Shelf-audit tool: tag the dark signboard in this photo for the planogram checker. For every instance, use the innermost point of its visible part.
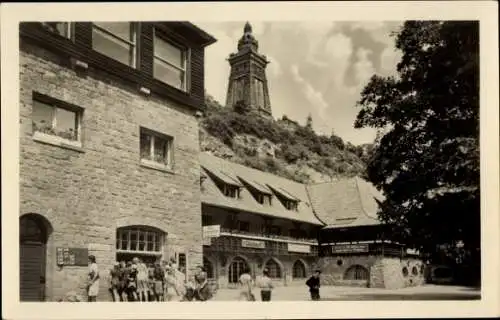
(72, 256)
(350, 248)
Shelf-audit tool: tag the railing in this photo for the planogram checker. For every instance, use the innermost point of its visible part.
(272, 237)
(227, 243)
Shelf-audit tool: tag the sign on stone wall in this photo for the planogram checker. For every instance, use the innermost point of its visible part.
(211, 231)
(350, 248)
(253, 244)
(299, 248)
(72, 256)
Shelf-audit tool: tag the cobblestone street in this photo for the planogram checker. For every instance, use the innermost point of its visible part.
(331, 293)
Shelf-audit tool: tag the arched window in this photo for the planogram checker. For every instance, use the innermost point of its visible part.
(405, 271)
(236, 268)
(356, 272)
(414, 271)
(141, 241)
(209, 268)
(273, 268)
(299, 270)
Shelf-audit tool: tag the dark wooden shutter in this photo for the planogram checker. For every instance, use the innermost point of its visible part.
(31, 272)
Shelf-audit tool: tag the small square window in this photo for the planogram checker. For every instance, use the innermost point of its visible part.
(156, 147)
(56, 120)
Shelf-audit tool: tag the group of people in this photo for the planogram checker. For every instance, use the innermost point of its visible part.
(265, 284)
(137, 281)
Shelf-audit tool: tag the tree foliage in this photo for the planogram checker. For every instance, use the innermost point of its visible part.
(427, 162)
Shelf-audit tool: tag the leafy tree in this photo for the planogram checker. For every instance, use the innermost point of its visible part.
(427, 162)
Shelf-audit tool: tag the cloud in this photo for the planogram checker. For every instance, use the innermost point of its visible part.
(314, 97)
(274, 67)
(363, 68)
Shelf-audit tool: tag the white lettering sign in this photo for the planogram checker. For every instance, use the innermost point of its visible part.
(299, 248)
(253, 244)
(211, 231)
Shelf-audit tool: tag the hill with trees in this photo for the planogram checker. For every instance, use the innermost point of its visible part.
(283, 147)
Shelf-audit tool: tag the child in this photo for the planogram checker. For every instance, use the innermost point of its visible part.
(313, 283)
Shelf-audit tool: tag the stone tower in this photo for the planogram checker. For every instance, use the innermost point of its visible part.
(247, 80)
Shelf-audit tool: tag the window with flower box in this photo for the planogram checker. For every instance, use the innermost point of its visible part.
(156, 148)
(54, 121)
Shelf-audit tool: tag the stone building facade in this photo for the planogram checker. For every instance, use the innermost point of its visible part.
(108, 149)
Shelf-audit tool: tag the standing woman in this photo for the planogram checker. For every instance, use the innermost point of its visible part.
(142, 279)
(265, 285)
(93, 280)
(158, 276)
(114, 285)
(246, 284)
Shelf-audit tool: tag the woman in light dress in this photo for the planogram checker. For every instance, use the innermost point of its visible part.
(93, 280)
(266, 286)
(246, 284)
(142, 279)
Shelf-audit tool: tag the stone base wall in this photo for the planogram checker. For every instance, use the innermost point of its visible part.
(383, 272)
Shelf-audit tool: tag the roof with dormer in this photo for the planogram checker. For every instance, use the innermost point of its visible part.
(233, 173)
(343, 203)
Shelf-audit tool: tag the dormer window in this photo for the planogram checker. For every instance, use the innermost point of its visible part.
(262, 198)
(229, 186)
(291, 205)
(289, 201)
(260, 192)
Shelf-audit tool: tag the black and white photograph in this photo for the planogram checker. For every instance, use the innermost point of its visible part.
(186, 162)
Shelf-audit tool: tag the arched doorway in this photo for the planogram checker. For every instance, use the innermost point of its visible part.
(299, 270)
(33, 235)
(356, 272)
(274, 269)
(209, 268)
(236, 268)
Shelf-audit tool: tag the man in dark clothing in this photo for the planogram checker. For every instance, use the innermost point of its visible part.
(313, 284)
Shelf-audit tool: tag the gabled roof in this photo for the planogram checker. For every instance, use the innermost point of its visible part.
(211, 195)
(346, 202)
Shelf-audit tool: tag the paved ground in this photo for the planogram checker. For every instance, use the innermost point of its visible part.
(331, 293)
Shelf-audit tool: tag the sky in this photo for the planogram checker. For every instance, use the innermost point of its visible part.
(316, 68)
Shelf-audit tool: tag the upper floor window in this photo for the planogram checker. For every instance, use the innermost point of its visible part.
(263, 198)
(244, 226)
(169, 65)
(156, 147)
(117, 40)
(52, 118)
(64, 29)
(291, 205)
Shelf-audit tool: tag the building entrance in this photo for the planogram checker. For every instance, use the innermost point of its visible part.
(32, 245)
(236, 268)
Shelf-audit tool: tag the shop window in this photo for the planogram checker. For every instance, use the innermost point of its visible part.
(405, 271)
(356, 272)
(273, 268)
(156, 148)
(141, 240)
(170, 63)
(51, 117)
(299, 270)
(116, 40)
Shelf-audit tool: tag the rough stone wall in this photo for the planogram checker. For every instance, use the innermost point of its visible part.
(86, 195)
(388, 273)
(333, 268)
